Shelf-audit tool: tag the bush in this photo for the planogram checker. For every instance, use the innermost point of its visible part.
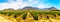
(24, 15)
(35, 15)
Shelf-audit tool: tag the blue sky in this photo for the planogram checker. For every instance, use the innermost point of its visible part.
(34, 3)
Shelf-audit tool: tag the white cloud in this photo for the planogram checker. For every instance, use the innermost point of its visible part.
(42, 5)
(12, 4)
(30, 0)
(20, 4)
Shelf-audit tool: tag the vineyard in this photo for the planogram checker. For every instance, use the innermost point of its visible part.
(31, 15)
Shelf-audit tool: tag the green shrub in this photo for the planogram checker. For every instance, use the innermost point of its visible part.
(24, 15)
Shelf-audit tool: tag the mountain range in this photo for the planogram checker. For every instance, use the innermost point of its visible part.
(34, 8)
(29, 8)
(50, 8)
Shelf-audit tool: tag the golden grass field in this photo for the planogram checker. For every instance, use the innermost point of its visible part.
(29, 18)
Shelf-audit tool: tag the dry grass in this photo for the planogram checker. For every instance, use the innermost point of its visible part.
(3, 19)
(29, 18)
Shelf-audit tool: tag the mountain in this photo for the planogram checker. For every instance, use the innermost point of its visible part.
(36, 8)
(51, 8)
(29, 8)
(9, 9)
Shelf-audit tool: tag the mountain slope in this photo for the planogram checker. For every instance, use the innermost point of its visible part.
(51, 8)
(29, 8)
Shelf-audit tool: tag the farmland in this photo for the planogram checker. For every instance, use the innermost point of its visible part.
(30, 16)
